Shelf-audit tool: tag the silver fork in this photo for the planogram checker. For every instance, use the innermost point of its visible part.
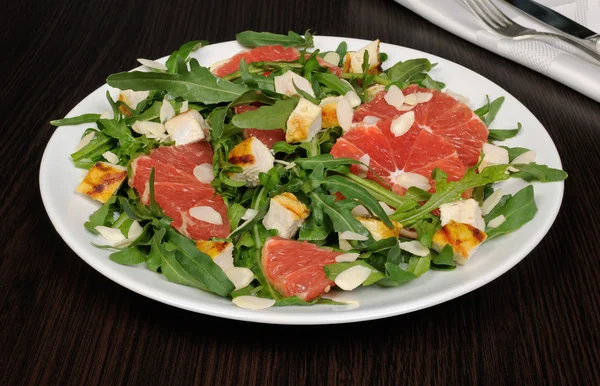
(497, 20)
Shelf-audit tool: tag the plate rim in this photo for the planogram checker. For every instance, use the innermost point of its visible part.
(264, 316)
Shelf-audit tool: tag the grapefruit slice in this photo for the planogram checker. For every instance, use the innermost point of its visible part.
(445, 134)
(177, 190)
(295, 268)
(266, 54)
(268, 137)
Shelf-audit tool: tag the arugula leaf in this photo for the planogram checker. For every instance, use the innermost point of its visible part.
(154, 259)
(199, 265)
(451, 191)
(405, 72)
(354, 191)
(518, 210)
(401, 203)
(419, 265)
(514, 152)
(399, 275)
(266, 117)
(103, 216)
(196, 85)
(340, 213)
(84, 118)
(534, 172)
(424, 80)
(184, 51)
(425, 229)
(258, 39)
(312, 230)
(173, 271)
(306, 95)
(93, 150)
(445, 257)
(333, 82)
(251, 97)
(341, 50)
(501, 135)
(488, 112)
(128, 256)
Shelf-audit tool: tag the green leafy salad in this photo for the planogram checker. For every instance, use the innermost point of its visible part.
(285, 172)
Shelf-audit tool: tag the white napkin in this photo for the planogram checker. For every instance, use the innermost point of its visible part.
(556, 61)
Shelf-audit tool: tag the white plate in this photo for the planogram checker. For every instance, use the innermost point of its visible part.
(68, 211)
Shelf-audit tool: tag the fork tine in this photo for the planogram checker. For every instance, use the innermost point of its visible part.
(484, 7)
(495, 13)
(476, 9)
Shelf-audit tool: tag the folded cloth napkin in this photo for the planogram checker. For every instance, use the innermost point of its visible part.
(556, 60)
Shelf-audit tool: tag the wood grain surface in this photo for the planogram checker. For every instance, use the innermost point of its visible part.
(61, 322)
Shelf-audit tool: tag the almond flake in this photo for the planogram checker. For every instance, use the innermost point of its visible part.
(166, 111)
(408, 233)
(253, 303)
(360, 211)
(491, 202)
(414, 247)
(347, 235)
(347, 257)
(353, 98)
(204, 173)
(332, 58)
(458, 97)
(362, 169)
(114, 235)
(423, 97)
(408, 180)
(85, 141)
(394, 97)
(411, 99)
(249, 214)
(289, 166)
(352, 277)
(111, 157)
(184, 107)
(402, 124)
(240, 277)
(386, 208)
(107, 115)
(496, 222)
(152, 64)
(344, 114)
(206, 214)
(135, 231)
(344, 245)
(525, 158)
(149, 129)
(371, 120)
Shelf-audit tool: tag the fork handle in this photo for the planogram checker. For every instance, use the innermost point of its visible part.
(589, 50)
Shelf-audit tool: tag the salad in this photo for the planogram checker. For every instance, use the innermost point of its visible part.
(283, 172)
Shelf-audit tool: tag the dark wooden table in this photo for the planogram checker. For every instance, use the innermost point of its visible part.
(61, 322)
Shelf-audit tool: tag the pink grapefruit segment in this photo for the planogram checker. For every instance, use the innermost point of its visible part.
(177, 190)
(266, 54)
(295, 268)
(445, 134)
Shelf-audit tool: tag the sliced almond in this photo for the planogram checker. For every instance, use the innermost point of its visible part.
(344, 114)
(249, 214)
(134, 231)
(253, 303)
(204, 173)
(386, 208)
(239, 276)
(525, 158)
(411, 99)
(496, 222)
(371, 120)
(107, 115)
(184, 107)
(360, 211)
(362, 169)
(423, 97)
(152, 64)
(85, 141)
(353, 98)
(491, 202)
(347, 235)
(149, 129)
(402, 124)
(332, 58)
(344, 245)
(352, 277)
(408, 180)
(166, 111)
(394, 97)
(114, 235)
(347, 257)
(206, 214)
(414, 247)
(111, 157)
